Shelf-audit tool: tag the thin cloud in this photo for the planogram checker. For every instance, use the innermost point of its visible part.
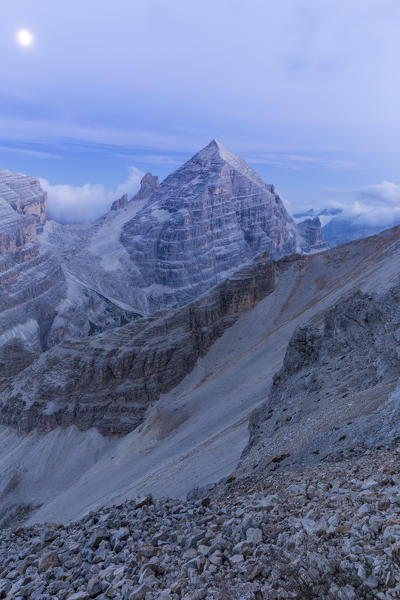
(30, 153)
(61, 132)
(162, 160)
(302, 161)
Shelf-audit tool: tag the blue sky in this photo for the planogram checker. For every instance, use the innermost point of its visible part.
(308, 91)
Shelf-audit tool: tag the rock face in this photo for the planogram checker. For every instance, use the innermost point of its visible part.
(108, 381)
(206, 219)
(31, 281)
(120, 203)
(31, 286)
(14, 358)
(148, 185)
(337, 391)
(311, 230)
(24, 195)
(15, 230)
(40, 303)
(22, 210)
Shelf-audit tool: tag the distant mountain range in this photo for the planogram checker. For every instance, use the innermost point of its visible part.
(339, 227)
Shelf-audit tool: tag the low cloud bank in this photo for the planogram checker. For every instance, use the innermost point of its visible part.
(374, 206)
(76, 204)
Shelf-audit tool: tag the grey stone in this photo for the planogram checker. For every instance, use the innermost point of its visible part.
(98, 536)
(94, 586)
(140, 592)
(254, 535)
(48, 561)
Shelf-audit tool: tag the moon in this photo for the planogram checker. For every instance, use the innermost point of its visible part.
(24, 38)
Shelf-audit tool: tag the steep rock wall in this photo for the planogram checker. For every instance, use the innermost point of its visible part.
(108, 381)
(337, 392)
(205, 220)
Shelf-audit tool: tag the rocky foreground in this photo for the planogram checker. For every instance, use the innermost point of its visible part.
(331, 531)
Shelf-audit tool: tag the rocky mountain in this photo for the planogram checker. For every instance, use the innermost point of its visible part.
(31, 280)
(148, 185)
(183, 384)
(271, 401)
(108, 381)
(311, 231)
(164, 247)
(338, 390)
(206, 219)
(324, 214)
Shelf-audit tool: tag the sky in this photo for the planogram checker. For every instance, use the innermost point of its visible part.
(307, 91)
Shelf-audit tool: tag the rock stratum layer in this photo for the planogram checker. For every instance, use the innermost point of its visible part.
(41, 301)
(31, 281)
(109, 381)
(24, 195)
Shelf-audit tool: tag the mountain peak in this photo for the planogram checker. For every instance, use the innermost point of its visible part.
(214, 147)
(215, 152)
(216, 144)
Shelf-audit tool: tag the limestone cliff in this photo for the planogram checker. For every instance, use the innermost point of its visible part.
(31, 281)
(39, 303)
(24, 194)
(120, 202)
(148, 185)
(206, 219)
(109, 380)
(22, 210)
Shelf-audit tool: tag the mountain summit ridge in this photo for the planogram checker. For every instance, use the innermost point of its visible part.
(215, 152)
